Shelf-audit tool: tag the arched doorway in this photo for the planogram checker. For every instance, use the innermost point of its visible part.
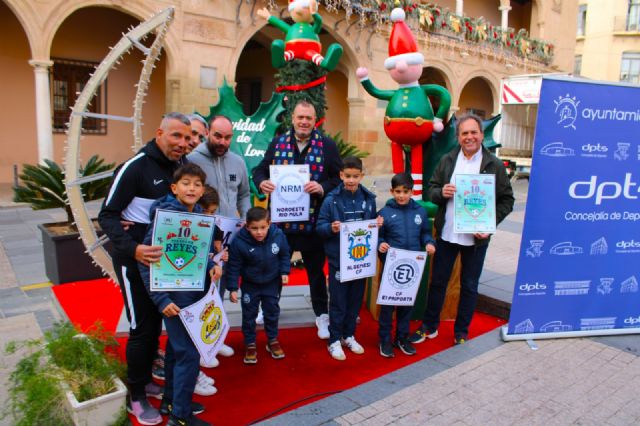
(18, 140)
(81, 42)
(255, 79)
(477, 98)
(432, 75)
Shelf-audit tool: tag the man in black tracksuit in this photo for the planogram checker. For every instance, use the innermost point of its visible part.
(136, 185)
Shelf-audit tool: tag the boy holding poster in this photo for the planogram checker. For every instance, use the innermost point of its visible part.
(349, 202)
(182, 360)
(260, 255)
(405, 227)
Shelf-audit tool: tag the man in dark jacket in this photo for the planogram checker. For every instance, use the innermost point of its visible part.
(470, 158)
(304, 144)
(136, 185)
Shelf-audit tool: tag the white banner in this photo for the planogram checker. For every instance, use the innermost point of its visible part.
(289, 202)
(358, 246)
(207, 323)
(229, 227)
(401, 277)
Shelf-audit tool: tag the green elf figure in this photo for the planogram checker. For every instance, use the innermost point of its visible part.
(409, 118)
(302, 41)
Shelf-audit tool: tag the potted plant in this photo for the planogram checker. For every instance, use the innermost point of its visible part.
(67, 378)
(43, 188)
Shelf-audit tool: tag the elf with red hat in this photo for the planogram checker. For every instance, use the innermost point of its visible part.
(409, 118)
(302, 41)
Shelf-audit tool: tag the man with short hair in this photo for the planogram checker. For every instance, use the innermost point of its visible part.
(199, 131)
(304, 144)
(226, 171)
(471, 157)
(136, 185)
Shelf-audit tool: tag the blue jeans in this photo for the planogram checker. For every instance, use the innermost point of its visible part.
(182, 365)
(385, 321)
(345, 300)
(252, 296)
(472, 259)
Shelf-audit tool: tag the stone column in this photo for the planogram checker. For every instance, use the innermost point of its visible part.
(459, 7)
(43, 109)
(504, 22)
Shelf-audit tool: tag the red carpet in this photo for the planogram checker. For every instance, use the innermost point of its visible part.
(248, 393)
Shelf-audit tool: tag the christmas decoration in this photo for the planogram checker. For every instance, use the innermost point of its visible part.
(302, 41)
(434, 20)
(299, 80)
(251, 134)
(409, 118)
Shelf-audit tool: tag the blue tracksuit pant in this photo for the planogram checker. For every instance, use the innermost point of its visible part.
(252, 296)
(345, 300)
(181, 366)
(385, 320)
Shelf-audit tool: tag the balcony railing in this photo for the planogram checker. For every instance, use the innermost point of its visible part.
(439, 21)
(622, 24)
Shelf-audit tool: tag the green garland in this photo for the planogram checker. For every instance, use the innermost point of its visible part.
(435, 19)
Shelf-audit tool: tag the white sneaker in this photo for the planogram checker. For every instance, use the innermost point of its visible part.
(205, 379)
(353, 345)
(204, 389)
(213, 363)
(335, 349)
(260, 317)
(322, 322)
(226, 350)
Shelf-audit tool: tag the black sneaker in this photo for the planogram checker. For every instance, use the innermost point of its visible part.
(191, 421)
(460, 340)
(386, 350)
(422, 334)
(166, 407)
(406, 346)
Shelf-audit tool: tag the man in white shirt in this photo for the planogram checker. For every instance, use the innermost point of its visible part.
(471, 157)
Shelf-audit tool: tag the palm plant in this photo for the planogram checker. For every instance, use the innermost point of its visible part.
(43, 185)
(346, 149)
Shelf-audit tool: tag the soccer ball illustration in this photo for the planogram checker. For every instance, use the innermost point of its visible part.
(179, 262)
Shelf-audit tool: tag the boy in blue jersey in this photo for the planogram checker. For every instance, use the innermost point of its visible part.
(349, 202)
(406, 227)
(182, 360)
(260, 255)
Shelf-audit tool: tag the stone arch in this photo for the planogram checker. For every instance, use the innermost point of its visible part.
(484, 84)
(137, 10)
(28, 19)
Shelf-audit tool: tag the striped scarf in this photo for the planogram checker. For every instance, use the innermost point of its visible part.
(284, 154)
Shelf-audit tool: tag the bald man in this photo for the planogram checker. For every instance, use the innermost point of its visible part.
(136, 184)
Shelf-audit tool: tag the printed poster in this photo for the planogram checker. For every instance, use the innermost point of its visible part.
(289, 202)
(207, 323)
(358, 246)
(401, 277)
(578, 265)
(185, 239)
(474, 204)
(229, 227)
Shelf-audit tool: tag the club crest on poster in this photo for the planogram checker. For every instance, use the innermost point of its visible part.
(207, 324)
(185, 239)
(401, 277)
(358, 242)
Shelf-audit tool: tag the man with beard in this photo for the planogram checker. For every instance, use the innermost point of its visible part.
(304, 144)
(226, 171)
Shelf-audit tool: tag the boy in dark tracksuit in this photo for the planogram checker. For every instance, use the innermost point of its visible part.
(406, 227)
(260, 255)
(349, 202)
(182, 360)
